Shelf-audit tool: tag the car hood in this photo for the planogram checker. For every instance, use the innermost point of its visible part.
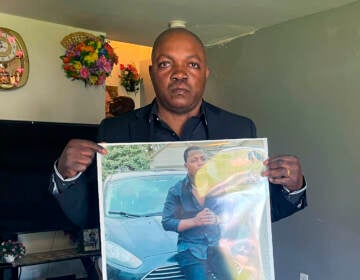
(144, 236)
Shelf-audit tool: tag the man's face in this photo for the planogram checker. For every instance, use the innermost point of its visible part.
(179, 73)
(194, 161)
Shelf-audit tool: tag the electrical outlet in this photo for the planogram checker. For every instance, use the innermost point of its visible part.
(304, 276)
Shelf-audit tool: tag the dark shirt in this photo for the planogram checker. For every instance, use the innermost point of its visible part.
(194, 129)
(181, 204)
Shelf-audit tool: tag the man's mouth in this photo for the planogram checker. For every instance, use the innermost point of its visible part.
(179, 89)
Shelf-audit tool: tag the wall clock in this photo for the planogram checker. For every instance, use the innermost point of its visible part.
(14, 60)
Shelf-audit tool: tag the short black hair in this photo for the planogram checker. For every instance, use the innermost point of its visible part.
(190, 149)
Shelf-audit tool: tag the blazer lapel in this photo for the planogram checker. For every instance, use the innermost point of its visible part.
(214, 125)
(139, 129)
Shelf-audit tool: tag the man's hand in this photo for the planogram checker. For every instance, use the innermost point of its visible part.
(206, 217)
(284, 170)
(77, 156)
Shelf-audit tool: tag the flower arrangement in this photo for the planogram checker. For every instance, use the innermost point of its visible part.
(91, 60)
(12, 248)
(129, 77)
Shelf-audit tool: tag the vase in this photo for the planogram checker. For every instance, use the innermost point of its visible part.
(9, 258)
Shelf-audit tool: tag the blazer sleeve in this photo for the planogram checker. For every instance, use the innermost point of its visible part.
(79, 201)
(281, 207)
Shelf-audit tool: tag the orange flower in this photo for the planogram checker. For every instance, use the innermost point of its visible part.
(66, 59)
(67, 67)
(89, 49)
(80, 46)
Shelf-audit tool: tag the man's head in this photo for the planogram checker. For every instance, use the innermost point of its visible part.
(178, 71)
(194, 158)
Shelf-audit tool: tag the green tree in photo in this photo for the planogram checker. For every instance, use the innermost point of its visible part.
(126, 158)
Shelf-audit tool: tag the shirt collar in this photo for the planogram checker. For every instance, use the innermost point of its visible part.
(154, 112)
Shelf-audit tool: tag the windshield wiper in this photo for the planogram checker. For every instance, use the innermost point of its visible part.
(124, 214)
(153, 214)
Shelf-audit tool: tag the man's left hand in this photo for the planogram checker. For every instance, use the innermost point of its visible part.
(284, 170)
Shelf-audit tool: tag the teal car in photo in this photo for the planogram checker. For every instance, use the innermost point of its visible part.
(136, 245)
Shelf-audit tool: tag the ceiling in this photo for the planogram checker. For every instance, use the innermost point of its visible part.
(139, 21)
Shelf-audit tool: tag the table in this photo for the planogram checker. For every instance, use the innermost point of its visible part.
(54, 256)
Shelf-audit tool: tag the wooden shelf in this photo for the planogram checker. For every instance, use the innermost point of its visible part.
(50, 256)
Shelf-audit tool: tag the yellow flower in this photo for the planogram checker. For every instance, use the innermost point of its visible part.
(77, 65)
(91, 58)
(98, 44)
(93, 80)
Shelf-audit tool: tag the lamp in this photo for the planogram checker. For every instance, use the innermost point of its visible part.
(177, 23)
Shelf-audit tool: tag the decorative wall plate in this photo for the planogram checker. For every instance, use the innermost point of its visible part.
(14, 60)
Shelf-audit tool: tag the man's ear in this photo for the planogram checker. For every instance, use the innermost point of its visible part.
(207, 72)
(150, 71)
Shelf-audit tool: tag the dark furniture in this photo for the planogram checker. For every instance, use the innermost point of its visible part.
(54, 256)
(28, 152)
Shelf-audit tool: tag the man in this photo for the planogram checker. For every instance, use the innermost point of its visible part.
(178, 73)
(195, 218)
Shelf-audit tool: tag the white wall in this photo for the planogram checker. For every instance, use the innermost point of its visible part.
(299, 81)
(48, 94)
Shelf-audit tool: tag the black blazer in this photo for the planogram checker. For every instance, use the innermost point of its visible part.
(134, 126)
(79, 202)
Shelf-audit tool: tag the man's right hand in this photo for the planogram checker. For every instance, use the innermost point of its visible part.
(205, 217)
(77, 156)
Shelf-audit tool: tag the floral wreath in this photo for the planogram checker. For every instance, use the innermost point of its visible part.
(90, 60)
(129, 77)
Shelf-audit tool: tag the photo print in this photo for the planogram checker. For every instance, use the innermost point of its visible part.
(91, 239)
(164, 204)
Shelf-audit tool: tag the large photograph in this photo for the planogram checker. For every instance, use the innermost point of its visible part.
(185, 210)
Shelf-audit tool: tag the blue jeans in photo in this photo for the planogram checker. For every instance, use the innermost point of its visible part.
(198, 269)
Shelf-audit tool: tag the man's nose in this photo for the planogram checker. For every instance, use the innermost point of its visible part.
(179, 73)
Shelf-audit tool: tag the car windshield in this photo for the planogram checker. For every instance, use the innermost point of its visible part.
(139, 195)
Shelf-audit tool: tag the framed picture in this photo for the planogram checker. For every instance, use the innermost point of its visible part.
(91, 239)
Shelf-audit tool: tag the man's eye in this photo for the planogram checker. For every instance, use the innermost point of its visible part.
(164, 64)
(194, 65)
